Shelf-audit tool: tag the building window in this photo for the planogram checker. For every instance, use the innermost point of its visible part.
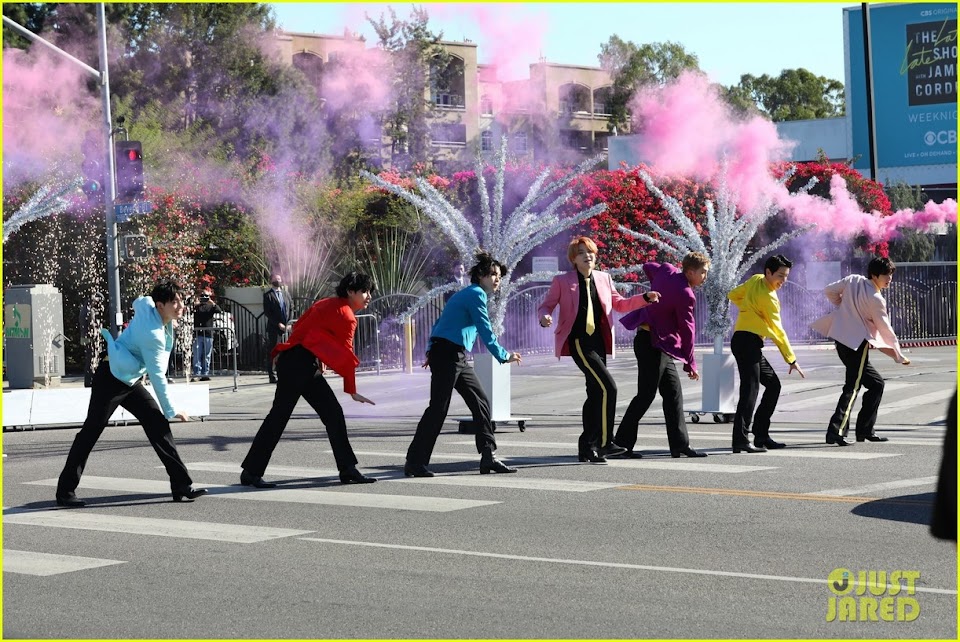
(486, 106)
(486, 141)
(444, 99)
(574, 98)
(520, 142)
(448, 134)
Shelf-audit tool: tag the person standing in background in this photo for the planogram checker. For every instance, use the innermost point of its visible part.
(276, 307)
(203, 314)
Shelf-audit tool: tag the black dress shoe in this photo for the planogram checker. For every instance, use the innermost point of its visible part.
(689, 452)
(69, 500)
(247, 479)
(747, 448)
(188, 494)
(611, 450)
(873, 438)
(204, 378)
(416, 470)
(593, 457)
(354, 476)
(769, 444)
(632, 454)
(273, 380)
(494, 465)
(837, 439)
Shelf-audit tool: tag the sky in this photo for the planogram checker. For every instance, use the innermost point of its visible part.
(729, 39)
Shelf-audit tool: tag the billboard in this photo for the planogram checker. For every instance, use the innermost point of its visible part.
(914, 51)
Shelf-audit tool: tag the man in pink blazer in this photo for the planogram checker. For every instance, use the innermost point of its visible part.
(587, 299)
(858, 323)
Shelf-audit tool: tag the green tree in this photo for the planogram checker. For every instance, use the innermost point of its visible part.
(414, 50)
(632, 66)
(796, 94)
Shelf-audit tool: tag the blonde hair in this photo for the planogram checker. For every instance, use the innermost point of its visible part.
(574, 246)
(695, 261)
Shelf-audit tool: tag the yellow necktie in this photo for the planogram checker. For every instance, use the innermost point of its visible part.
(591, 326)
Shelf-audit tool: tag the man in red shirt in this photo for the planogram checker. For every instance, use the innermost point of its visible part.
(322, 335)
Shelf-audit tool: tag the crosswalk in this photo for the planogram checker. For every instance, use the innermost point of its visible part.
(548, 467)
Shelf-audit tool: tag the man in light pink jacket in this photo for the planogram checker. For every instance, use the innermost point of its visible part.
(860, 322)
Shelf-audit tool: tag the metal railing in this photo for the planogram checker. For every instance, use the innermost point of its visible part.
(922, 303)
(223, 358)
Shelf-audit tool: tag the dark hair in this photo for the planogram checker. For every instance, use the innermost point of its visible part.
(166, 291)
(485, 264)
(880, 265)
(354, 282)
(776, 262)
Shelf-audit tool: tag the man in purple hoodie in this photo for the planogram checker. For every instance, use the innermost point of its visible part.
(664, 332)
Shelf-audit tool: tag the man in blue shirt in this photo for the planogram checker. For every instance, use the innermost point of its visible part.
(143, 348)
(453, 335)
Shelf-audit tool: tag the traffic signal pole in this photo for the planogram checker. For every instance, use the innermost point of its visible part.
(113, 265)
(110, 194)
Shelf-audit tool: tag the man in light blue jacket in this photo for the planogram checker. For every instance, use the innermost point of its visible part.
(143, 348)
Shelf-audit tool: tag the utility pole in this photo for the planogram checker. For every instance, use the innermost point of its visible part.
(110, 193)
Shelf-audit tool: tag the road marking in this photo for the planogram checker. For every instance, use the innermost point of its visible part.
(472, 480)
(805, 404)
(938, 398)
(824, 453)
(291, 495)
(616, 565)
(874, 488)
(736, 492)
(44, 564)
(87, 520)
(685, 465)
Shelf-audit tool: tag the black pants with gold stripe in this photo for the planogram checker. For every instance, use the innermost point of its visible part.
(860, 373)
(600, 408)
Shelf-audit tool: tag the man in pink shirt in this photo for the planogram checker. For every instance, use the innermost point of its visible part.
(859, 322)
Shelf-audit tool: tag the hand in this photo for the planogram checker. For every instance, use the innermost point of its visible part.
(182, 416)
(426, 361)
(282, 327)
(546, 321)
(693, 374)
(794, 366)
(653, 297)
(360, 398)
(514, 357)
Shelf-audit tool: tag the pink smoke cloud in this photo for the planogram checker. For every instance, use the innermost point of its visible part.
(47, 111)
(685, 129)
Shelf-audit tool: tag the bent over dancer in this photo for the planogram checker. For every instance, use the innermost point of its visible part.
(759, 317)
(144, 347)
(858, 323)
(452, 337)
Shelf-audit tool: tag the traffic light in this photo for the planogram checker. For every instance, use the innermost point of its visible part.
(133, 247)
(129, 160)
(92, 168)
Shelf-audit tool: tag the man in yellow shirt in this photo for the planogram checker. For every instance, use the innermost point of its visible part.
(759, 318)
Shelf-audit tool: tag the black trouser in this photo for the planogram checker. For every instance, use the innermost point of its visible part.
(300, 377)
(106, 394)
(755, 371)
(600, 408)
(273, 338)
(450, 371)
(860, 373)
(656, 370)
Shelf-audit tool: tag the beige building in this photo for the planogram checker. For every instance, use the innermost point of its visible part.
(559, 113)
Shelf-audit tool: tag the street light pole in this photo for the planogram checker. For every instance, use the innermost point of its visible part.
(103, 77)
(113, 267)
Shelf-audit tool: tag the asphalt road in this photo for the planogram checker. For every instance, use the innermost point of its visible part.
(730, 546)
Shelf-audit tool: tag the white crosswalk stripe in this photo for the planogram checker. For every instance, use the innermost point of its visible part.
(876, 488)
(470, 480)
(45, 564)
(834, 394)
(189, 529)
(291, 495)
